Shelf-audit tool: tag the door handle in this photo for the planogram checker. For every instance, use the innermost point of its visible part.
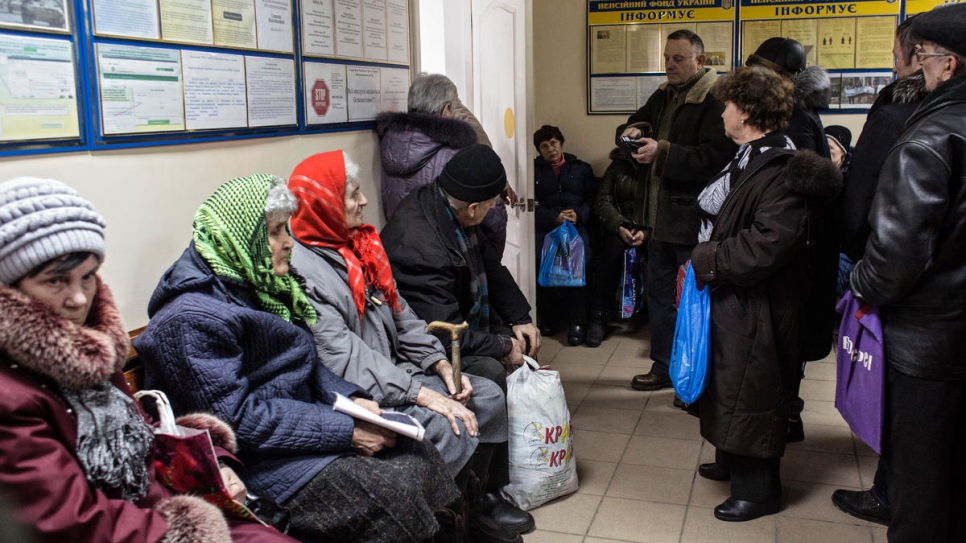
(525, 204)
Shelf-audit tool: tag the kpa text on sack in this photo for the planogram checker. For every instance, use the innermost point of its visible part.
(862, 357)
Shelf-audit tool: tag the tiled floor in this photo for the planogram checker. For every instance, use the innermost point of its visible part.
(637, 459)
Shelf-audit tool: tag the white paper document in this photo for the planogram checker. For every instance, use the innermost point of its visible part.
(271, 91)
(131, 18)
(364, 87)
(214, 90)
(400, 423)
(140, 89)
(395, 89)
(38, 92)
(397, 20)
(318, 28)
(374, 29)
(325, 93)
(348, 28)
(273, 19)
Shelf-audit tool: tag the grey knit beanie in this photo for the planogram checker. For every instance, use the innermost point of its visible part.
(41, 219)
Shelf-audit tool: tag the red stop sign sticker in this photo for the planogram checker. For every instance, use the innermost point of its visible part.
(320, 97)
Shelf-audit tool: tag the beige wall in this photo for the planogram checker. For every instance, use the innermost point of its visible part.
(560, 76)
(148, 196)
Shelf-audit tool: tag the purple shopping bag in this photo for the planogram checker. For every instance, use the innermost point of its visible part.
(860, 375)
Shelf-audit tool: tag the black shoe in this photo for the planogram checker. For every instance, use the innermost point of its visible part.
(506, 514)
(796, 429)
(649, 381)
(714, 472)
(595, 334)
(452, 527)
(862, 504)
(576, 335)
(732, 510)
(483, 529)
(679, 403)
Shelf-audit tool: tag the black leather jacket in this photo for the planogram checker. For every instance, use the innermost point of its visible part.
(914, 265)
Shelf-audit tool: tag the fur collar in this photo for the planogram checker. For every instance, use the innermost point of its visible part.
(810, 174)
(450, 132)
(699, 91)
(75, 357)
(909, 89)
(812, 88)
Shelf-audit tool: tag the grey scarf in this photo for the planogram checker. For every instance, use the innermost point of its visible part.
(113, 440)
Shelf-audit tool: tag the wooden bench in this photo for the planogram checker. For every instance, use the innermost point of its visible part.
(133, 367)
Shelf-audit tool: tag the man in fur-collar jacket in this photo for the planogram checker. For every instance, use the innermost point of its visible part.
(913, 269)
(415, 146)
(682, 146)
(75, 447)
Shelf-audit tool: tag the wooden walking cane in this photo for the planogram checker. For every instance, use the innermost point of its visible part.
(454, 334)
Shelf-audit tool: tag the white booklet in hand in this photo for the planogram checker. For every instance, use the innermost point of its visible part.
(400, 423)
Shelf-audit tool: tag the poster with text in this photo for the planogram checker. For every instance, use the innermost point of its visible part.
(186, 21)
(234, 23)
(325, 93)
(397, 16)
(271, 91)
(318, 28)
(644, 49)
(50, 15)
(374, 30)
(128, 18)
(38, 92)
(874, 37)
(140, 89)
(273, 23)
(364, 87)
(348, 28)
(395, 89)
(608, 49)
(836, 43)
(754, 33)
(613, 94)
(717, 38)
(215, 96)
(805, 32)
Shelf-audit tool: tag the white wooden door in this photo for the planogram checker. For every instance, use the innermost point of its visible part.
(500, 54)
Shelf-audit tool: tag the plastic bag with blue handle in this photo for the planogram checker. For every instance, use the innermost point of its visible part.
(690, 366)
(562, 259)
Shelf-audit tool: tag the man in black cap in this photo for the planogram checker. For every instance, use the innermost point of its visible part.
(448, 271)
(914, 270)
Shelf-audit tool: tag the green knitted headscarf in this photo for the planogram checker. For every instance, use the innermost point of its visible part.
(231, 234)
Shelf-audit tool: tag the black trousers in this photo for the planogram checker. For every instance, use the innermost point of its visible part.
(663, 261)
(491, 459)
(924, 452)
(752, 479)
(606, 276)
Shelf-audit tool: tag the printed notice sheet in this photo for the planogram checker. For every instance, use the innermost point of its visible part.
(805, 32)
(186, 21)
(397, 16)
(273, 20)
(214, 90)
(38, 95)
(131, 18)
(717, 44)
(140, 89)
(374, 29)
(234, 22)
(36, 14)
(754, 33)
(608, 50)
(364, 88)
(836, 43)
(395, 89)
(325, 93)
(646, 86)
(644, 48)
(271, 91)
(613, 94)
(873, 39)
(348, 28)
(318, 28)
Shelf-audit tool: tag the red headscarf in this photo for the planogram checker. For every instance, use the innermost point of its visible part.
(319, 184)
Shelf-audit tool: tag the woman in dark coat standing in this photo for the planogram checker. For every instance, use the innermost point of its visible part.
(752, 253)
(565, 187)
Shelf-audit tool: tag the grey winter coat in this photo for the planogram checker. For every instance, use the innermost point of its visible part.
(390, 355)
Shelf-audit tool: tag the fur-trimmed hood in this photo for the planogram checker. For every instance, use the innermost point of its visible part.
(810, 174)
(75, 357)
(812, 88)
(410, 140)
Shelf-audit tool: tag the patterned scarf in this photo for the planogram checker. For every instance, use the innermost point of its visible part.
(319, 183)
(713, 196)
(478, 316)
(231, 234)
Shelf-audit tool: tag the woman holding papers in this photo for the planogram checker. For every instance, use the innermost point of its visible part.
(367, 334)
(228, 335)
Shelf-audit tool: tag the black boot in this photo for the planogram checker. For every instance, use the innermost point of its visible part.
(480, 527)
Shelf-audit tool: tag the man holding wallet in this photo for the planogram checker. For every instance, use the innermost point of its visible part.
(685, 148)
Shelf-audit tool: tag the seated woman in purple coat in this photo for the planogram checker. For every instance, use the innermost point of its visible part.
(75, 448)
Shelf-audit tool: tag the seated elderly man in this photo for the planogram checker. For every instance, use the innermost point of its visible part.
(447, 269)
(367, 334)
(417, 144)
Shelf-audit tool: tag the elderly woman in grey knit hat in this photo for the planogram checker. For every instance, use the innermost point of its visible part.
(75, 447)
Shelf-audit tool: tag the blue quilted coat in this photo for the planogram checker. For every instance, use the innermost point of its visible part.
(210, 348)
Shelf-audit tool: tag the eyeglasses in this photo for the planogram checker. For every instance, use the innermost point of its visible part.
(920, 54)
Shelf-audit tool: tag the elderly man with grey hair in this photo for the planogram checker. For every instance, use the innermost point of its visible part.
(417, 144)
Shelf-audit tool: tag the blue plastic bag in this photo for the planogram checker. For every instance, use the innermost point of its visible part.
(632, 283)
(562, 259)
(690, 366)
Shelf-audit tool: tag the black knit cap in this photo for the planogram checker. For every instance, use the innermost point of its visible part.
(783, 55)
(474, 174)
(944, 25)
(841, 135)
